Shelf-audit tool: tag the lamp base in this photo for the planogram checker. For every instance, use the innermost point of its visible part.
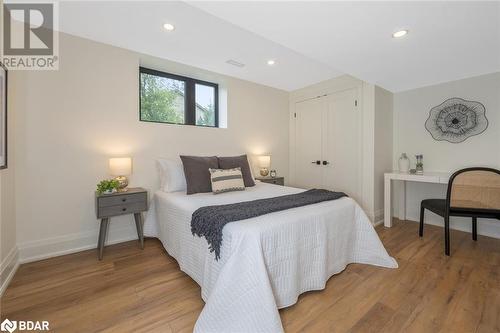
(264, 172)
(122, 183)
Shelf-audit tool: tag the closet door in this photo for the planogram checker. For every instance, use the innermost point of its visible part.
(308, 143)
(341, 143)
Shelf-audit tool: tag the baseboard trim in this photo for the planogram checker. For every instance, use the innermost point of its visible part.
(378, 217)
(485, 227)
(72, 243)
(8, 269)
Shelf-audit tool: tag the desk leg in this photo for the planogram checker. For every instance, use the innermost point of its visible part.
(402, 200)
(102, 236)
(138, 224)
(387, 202)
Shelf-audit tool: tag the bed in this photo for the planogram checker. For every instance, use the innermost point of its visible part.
(266, 262)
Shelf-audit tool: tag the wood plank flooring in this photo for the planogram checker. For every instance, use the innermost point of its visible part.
(144, 291)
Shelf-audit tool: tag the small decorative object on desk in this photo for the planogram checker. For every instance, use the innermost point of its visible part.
(420, 164)
(404, 163)
(273, 174)
(107, 186)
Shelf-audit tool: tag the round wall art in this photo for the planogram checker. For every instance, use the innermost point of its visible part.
(456, 119)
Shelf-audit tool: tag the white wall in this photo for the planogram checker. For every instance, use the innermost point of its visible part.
(368, 156)
(410, 136)
(377, 147)
(74, 119)
(383, 149)
(8, 248)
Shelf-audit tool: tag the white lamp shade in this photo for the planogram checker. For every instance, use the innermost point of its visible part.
(120, 166)
(265, 161)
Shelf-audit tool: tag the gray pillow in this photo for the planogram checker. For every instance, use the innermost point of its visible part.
(196, 171)
(238, 162)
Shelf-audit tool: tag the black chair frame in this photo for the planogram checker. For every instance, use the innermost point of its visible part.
(449, 211)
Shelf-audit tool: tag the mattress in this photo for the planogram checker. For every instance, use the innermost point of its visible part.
(266, 262)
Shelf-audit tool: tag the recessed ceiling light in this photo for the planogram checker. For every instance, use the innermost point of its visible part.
(169, 27)
(271, 62)
(400, 33)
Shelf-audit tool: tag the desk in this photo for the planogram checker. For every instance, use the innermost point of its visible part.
(402, 178)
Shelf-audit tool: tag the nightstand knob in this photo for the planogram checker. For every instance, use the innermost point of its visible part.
(124, 209)
(124, 199)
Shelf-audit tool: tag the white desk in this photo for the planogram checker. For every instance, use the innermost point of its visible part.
(402, 178)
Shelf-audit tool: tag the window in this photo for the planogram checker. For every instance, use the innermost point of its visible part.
(174, 99)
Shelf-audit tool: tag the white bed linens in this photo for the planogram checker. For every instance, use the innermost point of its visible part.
(267, 261)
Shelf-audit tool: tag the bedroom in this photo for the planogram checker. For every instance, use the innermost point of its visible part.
(334, 115)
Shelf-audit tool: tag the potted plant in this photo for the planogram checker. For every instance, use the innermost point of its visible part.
(107, 186)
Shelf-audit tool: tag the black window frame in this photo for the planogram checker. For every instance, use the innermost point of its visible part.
(189, 97)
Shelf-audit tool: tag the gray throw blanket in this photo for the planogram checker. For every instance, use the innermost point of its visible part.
(208, 221)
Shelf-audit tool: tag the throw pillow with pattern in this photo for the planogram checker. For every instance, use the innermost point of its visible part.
(226, 180)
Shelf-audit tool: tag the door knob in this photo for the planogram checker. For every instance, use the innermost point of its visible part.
(316, 162)
(326, 162)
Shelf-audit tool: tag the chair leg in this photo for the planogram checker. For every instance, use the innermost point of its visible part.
(421, 228)
(447, 235)
(474, 228)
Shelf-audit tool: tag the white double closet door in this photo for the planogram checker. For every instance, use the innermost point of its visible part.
(327, 143)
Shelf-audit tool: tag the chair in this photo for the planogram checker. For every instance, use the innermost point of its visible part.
(472, 192)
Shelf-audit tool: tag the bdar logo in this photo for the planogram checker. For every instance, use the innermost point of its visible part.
(24, 325)
(8, 326)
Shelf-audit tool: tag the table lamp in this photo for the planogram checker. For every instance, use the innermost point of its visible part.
(264, 163)
(121, 167)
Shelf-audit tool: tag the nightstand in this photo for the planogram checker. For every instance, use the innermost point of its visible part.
(133, 201)
(270, 180)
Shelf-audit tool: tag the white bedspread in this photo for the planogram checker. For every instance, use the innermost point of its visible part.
(266, 262)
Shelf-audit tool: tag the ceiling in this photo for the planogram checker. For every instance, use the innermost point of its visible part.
(446, 40)
(199, 39)
(310, 41)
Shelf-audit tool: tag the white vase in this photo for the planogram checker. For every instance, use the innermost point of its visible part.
(404, 163)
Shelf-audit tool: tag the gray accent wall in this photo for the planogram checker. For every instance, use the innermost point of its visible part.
(411, 110)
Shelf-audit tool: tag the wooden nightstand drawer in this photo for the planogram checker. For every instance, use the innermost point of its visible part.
(130, 208)
(121, 199)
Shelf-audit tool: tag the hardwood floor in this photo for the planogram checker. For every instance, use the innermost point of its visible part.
(144, 291)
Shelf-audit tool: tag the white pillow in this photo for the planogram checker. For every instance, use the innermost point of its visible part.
(172, 177)
(251, 167)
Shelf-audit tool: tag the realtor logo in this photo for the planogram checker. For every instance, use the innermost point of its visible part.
(8, 326)
(35, 36)
(30, 38)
